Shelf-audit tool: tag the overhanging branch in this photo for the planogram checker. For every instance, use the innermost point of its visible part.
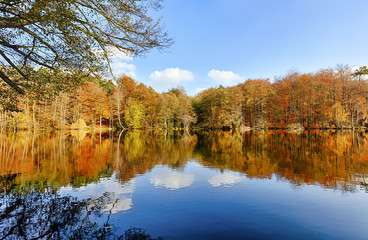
(11, 83)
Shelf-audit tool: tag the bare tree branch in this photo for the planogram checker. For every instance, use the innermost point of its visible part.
(11, 83)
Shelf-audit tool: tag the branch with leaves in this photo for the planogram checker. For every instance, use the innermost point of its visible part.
(75, 35)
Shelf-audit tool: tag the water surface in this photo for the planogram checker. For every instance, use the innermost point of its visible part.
(206, 185)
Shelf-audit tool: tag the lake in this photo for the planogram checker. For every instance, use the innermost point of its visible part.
(181, 185)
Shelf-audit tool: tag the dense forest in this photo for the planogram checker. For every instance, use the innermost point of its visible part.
(334, 98)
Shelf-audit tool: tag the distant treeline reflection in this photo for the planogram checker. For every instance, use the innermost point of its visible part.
(42, 160)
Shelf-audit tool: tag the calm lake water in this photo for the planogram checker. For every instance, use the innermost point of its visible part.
(205, 185)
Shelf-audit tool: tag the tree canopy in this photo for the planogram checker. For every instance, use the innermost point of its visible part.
(361, 71)
(76, 35)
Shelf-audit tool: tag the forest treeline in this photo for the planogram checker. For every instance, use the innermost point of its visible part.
(334, 98)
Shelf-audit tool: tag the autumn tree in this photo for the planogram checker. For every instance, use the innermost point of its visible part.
(256, 93)
(186, 111)
(73, 35)
(219, 107)
(361, 72)
(203, 105)
(169, 109)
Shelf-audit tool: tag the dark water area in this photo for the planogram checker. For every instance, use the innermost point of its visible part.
(203, 185)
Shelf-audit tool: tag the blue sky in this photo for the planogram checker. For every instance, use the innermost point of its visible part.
(228, 41)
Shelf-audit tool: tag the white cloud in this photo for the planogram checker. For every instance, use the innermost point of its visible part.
(171, 180)
(226, 179)
(198, 90)
(224, 77)
(172, 75)
(118, 68)
(119, 62)
(353, 69)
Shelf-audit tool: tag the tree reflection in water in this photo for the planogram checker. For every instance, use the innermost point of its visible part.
(47, 215)
(337, 160)
(331, 159)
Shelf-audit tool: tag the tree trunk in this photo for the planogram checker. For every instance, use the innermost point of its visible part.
(119, 118)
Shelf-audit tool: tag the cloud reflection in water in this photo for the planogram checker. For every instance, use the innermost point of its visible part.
(225, 179)
(171, 179)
